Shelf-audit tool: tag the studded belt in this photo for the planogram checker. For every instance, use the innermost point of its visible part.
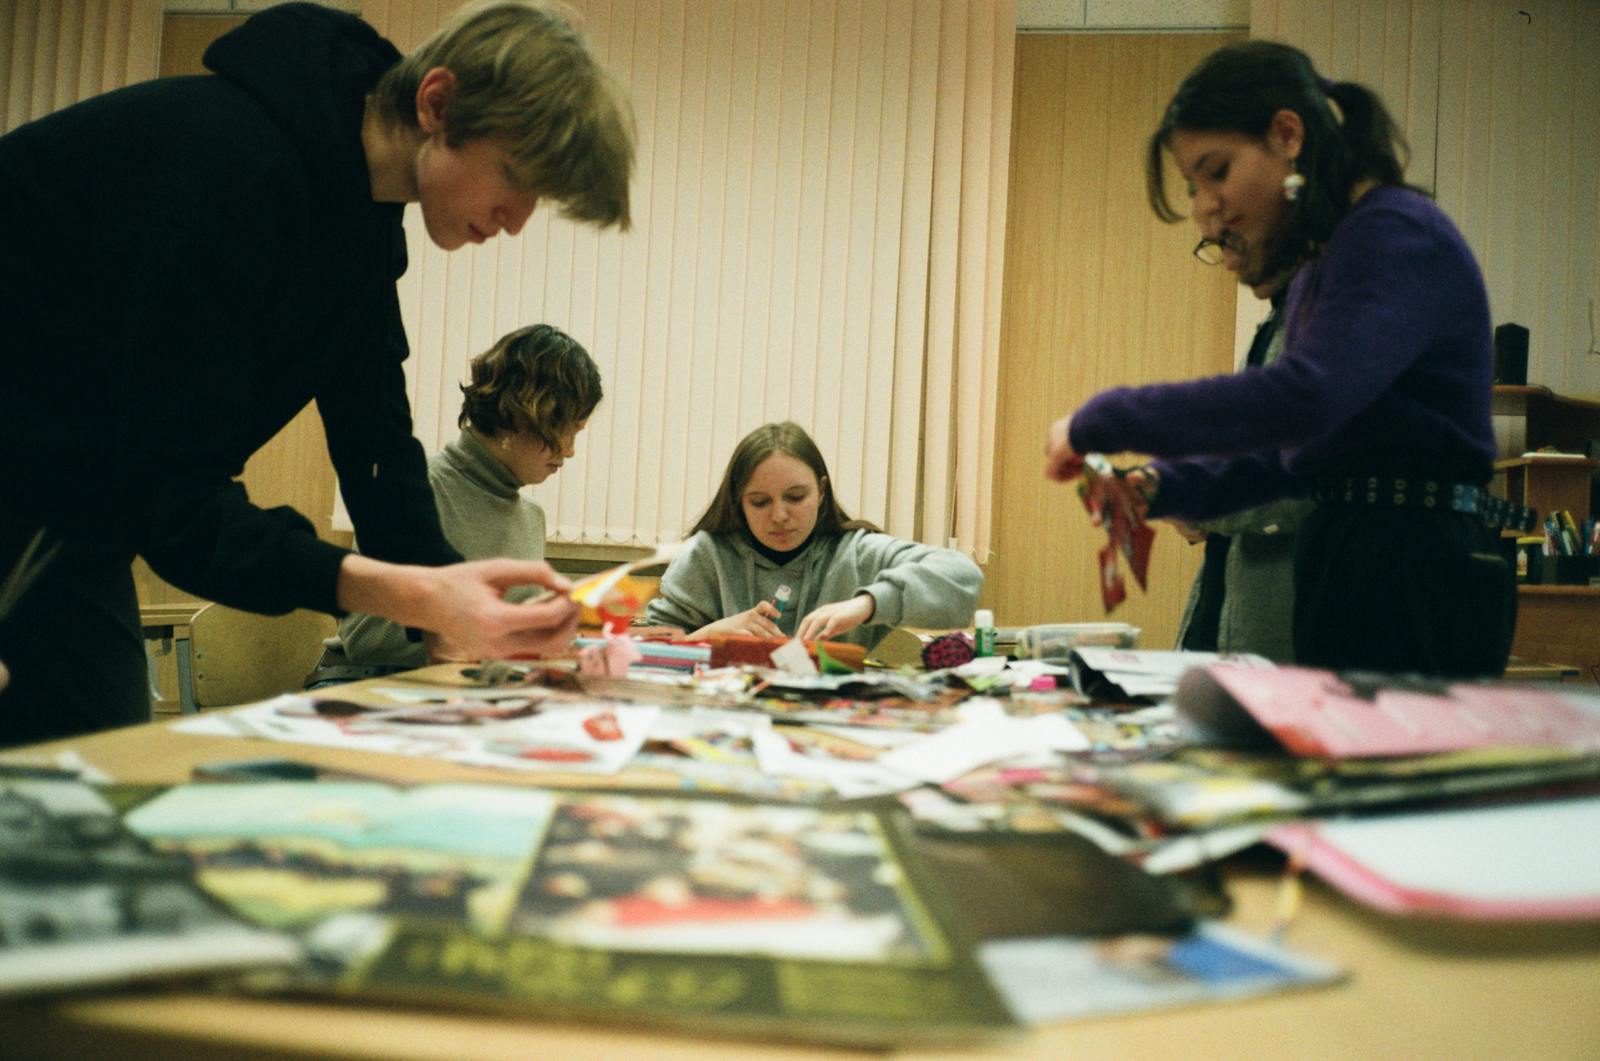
(1391, 491)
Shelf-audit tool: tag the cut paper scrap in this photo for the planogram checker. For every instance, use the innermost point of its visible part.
(791, 657)
(978, 741)
(553, 735)
(1111, 504)
(609, 658)
(610, 598)
(828, 664)
(850, 778)
(1056, 978)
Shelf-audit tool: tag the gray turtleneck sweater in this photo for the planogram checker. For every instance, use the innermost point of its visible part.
(484, 515)
(717, 575)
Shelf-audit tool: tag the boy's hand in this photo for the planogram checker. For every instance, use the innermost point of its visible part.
(471, 621)
(461, 605)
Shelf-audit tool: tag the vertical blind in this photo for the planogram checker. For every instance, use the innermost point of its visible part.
(57, 52)
(819, 213)
(1499, 103)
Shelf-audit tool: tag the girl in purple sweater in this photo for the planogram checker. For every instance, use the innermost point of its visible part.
(1378, 407)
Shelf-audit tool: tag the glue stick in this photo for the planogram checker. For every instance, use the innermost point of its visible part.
(983, 632)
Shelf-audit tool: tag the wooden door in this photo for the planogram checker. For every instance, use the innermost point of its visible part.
(1098, 293)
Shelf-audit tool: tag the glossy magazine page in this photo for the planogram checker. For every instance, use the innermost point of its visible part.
(716, 914)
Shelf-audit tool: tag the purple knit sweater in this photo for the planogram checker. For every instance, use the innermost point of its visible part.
(1385, 368)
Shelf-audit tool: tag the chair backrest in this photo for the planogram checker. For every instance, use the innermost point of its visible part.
(240, 657)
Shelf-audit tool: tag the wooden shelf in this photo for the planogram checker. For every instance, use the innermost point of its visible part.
(1525, 670)
(1547, 485)
(1513, 400)
(1557, 589)
(1547, 460)
(1569, 425)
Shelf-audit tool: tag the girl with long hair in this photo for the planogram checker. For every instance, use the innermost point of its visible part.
(775, 555)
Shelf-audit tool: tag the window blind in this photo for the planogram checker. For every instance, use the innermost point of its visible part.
(819, 212)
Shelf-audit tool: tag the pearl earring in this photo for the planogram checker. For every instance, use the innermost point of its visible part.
(1292, 185)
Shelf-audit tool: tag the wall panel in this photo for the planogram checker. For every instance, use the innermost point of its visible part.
(1498, 101)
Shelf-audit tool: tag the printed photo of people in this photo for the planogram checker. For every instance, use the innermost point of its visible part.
(629, 873)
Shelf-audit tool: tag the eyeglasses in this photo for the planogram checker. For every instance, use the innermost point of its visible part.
(1210, 252)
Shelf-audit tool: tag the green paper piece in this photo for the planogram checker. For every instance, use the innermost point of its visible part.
(828, 665)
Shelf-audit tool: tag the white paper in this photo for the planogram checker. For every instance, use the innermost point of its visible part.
(1150, 672)
(962, 748)
(1525, 853)
(792, 658)
(852, 779)
(555, 738)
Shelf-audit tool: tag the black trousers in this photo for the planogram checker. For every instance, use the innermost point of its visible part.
(73, 643)
(1402, 590)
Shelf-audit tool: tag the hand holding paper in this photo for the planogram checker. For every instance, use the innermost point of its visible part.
(470, 620)
(1061, 462)
(1118, 501)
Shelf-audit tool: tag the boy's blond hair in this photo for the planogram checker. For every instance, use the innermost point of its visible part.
(525, 74)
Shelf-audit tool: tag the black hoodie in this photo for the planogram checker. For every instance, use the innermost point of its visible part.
(186, 263)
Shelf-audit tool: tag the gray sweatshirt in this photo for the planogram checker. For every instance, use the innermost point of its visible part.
(484, 515)
(1258, 575)
(715, 576)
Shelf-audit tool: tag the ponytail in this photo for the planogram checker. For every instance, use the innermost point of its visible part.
(1349, 136)
(1374, 145)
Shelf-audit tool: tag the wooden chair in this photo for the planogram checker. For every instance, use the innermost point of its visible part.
(240, 657)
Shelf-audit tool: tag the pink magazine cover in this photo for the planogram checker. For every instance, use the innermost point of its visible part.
(1524, 862)
(1320, 714)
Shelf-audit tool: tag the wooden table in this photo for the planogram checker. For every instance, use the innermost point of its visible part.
(1416, 990)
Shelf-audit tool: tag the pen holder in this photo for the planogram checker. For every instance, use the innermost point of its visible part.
(1567, 570)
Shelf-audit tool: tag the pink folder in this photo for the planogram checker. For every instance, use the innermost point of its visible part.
(1524, 861)
(1322, 715)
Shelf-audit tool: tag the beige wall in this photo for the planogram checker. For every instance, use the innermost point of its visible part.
(1098, 293)
(1499, 102)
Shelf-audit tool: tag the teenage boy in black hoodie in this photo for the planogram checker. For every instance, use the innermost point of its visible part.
(186, 263)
